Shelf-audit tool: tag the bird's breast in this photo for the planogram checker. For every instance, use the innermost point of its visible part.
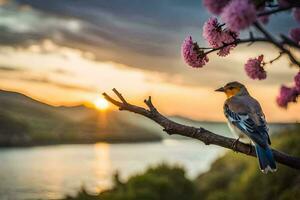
(238, 133)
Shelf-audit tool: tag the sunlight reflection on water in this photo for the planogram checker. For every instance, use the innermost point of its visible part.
(51, 172)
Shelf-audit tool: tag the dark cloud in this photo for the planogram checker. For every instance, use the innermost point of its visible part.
(139, 33)
(10, 69)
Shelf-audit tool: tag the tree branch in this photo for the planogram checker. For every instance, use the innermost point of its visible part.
(274, 59)
(201, 134)
(269, 12)
(290, 42)
(236, 42)
(274, 41)
(268, 38)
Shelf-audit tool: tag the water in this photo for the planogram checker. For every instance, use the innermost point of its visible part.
(51, 172)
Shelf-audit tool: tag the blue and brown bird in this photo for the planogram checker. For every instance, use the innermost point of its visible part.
(247, 120)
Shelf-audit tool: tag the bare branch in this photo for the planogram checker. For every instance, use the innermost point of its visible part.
(119, 95)
(108, 98)
(201, 134)
(274, 59)
(148, 102)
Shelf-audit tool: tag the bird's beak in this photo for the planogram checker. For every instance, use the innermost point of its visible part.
(221, 89)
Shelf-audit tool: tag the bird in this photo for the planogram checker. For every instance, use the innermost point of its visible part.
(247, 120)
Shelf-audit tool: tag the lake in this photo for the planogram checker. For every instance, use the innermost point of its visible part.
(50, 172)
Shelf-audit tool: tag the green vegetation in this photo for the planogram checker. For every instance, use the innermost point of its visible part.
(25, 122)
(161, 182)
(234, 176)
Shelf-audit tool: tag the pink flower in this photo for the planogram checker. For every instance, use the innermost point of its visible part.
(228, 37)
(239, 15)
(192, 54)
(286, 95)
(215, 6)
(296, 14)
(295, 34)
(218, 37)
(284, 3)
(212, 32)
(254, 68)
(297, 82)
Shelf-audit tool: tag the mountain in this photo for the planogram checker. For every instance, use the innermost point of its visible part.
(25, 122)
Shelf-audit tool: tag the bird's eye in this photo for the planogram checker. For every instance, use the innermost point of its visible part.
(230, 88)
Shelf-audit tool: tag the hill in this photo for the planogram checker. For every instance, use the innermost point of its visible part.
(25, 121)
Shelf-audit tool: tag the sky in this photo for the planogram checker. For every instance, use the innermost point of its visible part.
(67, 52)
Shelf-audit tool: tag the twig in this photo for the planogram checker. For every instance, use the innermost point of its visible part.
(236, 42)
(119, 96)
(274, 59)
(269, 12)
(201, 134)
(279, 45)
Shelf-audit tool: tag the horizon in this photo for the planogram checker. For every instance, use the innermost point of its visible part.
(110, 108)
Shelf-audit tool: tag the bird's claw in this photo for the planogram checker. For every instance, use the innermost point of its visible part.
(234, 145)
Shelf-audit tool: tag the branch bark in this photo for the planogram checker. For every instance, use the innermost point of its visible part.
(201, 134)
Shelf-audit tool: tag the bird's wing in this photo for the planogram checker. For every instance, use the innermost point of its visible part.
(252, 124)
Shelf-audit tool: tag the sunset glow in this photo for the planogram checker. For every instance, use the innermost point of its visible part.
(101, 104)
(73, 71)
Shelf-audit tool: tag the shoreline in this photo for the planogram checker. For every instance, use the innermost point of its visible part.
(80, 143)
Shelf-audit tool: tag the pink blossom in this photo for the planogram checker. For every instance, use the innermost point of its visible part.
(284, 3)
(297, 82)
(192, 54)
(212, 32)
(296, 14)
(254, 68)
(217, 37)
(239, 15)
(215, 6)
(228, 37)
(286, 95)
(295, 34)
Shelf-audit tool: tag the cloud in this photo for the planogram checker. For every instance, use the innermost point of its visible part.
(10, 69)
(62, 85)
(140, 34)
(35, 78)
(136, 33)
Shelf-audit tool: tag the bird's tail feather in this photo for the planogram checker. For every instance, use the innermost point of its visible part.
(266, 159)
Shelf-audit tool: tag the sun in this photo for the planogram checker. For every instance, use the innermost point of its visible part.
(101, 104)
